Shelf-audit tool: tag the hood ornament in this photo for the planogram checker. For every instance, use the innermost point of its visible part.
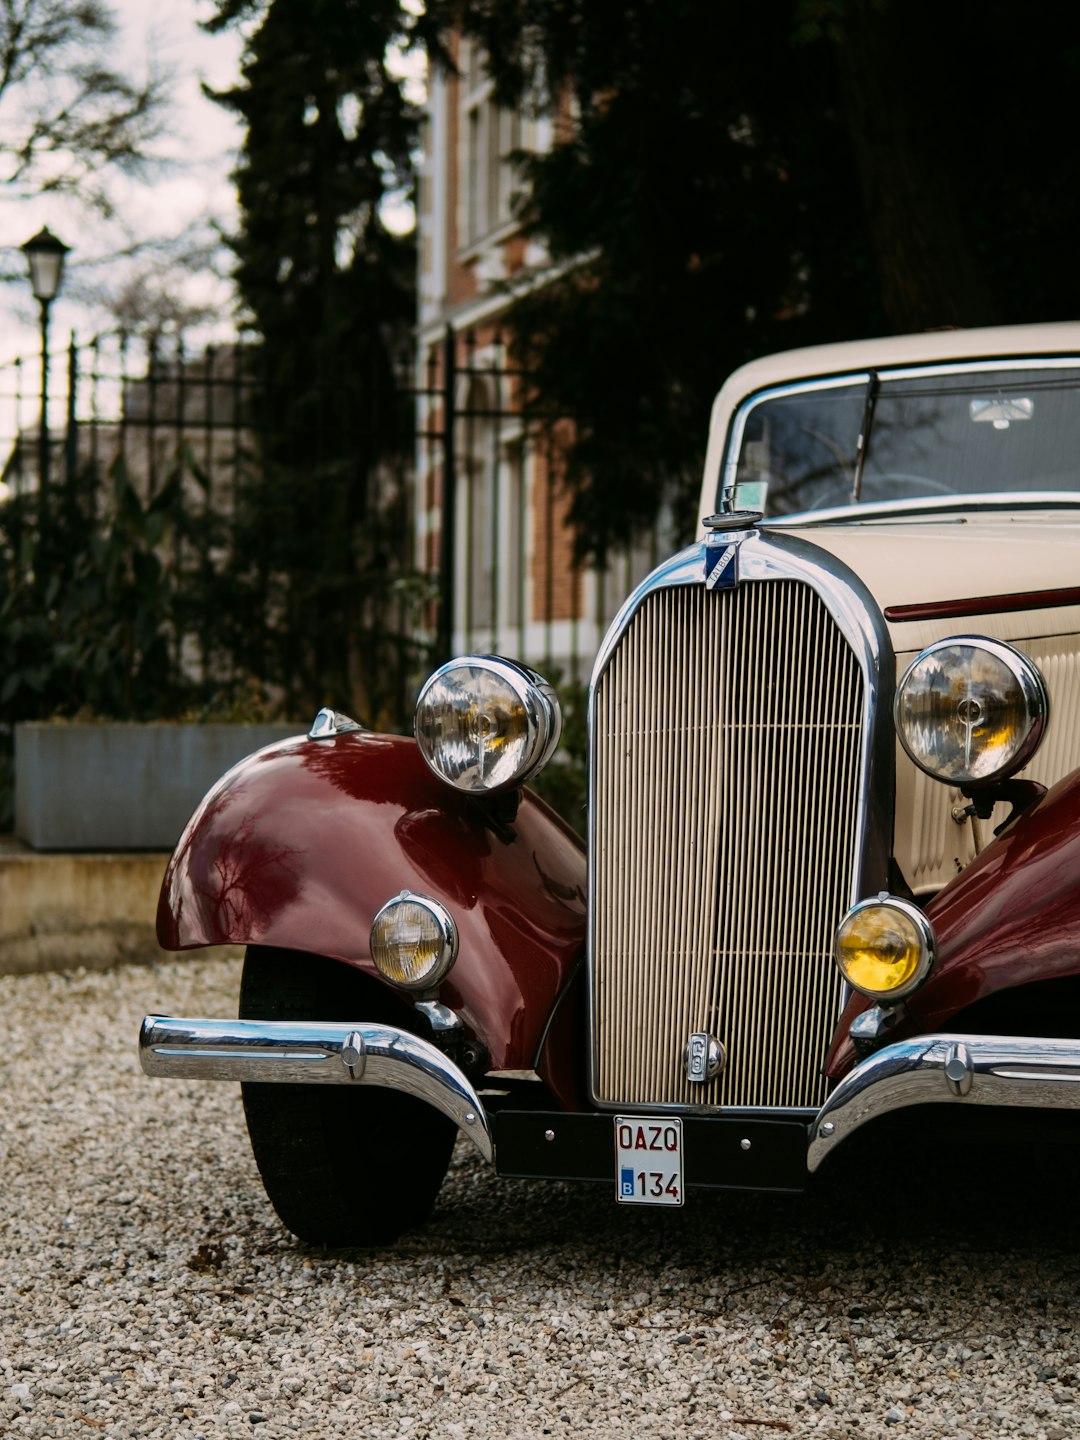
(730, 520)
(727, 531)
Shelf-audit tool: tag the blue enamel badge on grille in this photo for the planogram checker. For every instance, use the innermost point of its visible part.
(721, 567)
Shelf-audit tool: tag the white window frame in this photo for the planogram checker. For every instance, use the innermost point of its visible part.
(489, 134)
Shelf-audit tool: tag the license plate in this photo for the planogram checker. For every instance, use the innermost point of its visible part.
(648, 1161)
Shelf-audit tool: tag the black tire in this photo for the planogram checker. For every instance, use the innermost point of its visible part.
(342, 1166)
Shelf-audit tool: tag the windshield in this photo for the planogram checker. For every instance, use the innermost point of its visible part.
(931, 435)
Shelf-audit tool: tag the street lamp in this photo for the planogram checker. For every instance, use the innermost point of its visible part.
(45, 257)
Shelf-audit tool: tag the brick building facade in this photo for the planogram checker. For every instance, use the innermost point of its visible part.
(516, 589)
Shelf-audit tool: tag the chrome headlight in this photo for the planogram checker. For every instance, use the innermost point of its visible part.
(971, 710)
(414, 941)
(884, 947)
(484, 723)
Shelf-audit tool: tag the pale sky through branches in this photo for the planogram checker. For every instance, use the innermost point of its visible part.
(189, 195)
(190, 192)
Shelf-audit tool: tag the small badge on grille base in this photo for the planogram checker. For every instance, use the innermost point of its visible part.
(705, 1058)
(721, 567)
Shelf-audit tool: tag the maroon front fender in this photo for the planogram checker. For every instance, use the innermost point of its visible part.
(1010, 919)
(300, 845)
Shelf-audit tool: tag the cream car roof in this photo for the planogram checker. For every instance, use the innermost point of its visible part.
(819, 361)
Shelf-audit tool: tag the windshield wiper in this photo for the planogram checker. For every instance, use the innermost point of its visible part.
(864, 439)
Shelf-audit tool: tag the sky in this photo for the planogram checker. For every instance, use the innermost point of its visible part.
(191, 186)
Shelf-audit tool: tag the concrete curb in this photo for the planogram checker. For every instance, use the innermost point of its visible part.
(62, 911)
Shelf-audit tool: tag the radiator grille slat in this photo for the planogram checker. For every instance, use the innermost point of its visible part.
(727, 752)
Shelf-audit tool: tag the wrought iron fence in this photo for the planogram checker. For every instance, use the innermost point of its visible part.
(465, 536)
(122, 397)
(493, 514)
(175, 448)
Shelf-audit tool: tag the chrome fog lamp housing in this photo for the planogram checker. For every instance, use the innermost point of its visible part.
(884, 947)
(484, 723)
(414, 941)
(970, 711)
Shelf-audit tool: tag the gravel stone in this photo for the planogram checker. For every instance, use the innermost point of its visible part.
(148, 1292)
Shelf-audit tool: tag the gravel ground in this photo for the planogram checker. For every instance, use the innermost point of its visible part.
(147, 1289)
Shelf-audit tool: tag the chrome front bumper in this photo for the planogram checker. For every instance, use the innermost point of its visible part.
(930, 1069)
(948, 1069)
(310, 1053)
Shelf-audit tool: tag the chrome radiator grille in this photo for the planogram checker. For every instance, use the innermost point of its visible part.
(727, 746)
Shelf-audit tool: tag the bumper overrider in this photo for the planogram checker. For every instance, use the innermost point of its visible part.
(942, 1069)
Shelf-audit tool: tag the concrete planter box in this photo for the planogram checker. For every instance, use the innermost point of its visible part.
(121, 787)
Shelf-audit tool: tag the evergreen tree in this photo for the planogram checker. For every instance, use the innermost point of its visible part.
(330, 292)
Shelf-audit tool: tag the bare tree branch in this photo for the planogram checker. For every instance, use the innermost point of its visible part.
(66, 114)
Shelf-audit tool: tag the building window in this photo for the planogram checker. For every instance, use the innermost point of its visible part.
(481, 539)
(491, 136)
(491, 518)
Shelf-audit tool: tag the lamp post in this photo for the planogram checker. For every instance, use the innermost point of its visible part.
(45, 257)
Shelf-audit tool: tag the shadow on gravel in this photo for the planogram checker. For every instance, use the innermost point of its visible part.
(935, 1195)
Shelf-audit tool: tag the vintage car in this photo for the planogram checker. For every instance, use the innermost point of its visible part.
(832, 874)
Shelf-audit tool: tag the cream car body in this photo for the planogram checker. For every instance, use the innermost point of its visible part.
(913, 553)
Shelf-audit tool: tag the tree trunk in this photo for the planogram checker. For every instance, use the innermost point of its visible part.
(896, 100)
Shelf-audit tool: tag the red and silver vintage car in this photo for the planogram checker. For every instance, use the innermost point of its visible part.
(832, 874)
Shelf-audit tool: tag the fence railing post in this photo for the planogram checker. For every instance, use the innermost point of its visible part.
(447, 537)
(19, 478)
(71, 451)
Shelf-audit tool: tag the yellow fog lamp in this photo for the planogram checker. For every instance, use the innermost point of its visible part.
(884, 947)
(971, 711)
(414, 941)
(484, 723)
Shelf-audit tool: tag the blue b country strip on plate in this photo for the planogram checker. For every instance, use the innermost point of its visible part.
(721, 567)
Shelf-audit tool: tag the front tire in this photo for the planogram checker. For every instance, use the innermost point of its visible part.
(341, 1165)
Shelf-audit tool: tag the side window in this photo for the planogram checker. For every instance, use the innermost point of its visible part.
(799, 450)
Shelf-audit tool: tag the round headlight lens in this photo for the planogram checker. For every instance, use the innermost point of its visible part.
(884, 947)
(971, 710)
(414, 941)
(484, 723)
